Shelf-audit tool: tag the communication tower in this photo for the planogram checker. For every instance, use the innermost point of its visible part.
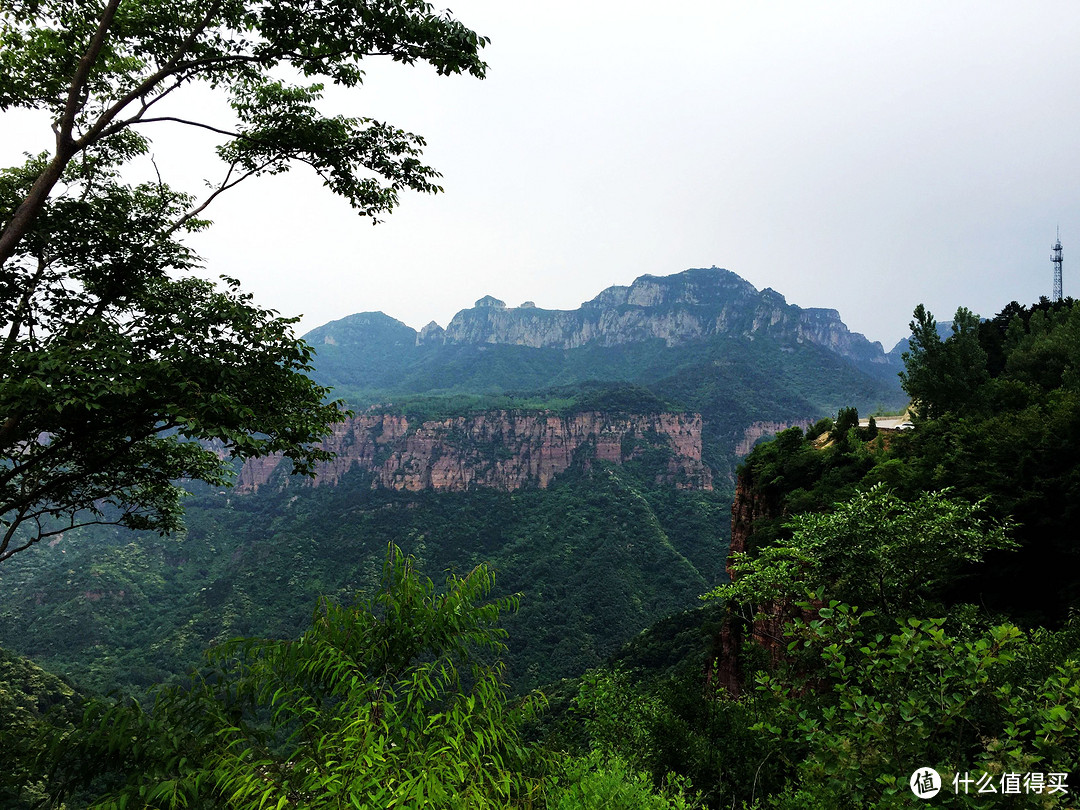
(1055, 257)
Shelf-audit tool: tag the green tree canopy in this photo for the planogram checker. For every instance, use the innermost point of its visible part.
(395, 701)
(875, 550)
(121, 372)
(944, 375)
(101, 70)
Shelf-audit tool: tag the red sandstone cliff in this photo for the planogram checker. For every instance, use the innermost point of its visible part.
(503, 450)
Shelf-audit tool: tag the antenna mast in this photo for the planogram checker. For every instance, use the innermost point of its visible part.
(1055, 257)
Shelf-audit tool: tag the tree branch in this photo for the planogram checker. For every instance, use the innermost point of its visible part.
(66, 147)
(40, 535)
(199, 124)
(19, 518)
(172, 66)
(225, 186)
(78, 87)
(20, 311)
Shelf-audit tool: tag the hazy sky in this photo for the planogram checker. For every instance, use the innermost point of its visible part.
(865, 156)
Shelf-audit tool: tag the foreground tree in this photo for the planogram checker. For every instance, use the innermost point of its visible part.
(118, 368)
(396, 701)
(876, 550)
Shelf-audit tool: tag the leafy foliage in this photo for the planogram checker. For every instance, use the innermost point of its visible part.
(874, 550)
(671, 729)
(102, 412)
(395, 701)
(33, 703)
(596, 782)
(881, 706)
(112, 356)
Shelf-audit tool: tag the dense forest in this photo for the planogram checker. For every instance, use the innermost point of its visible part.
(597, 556)
(899, 599)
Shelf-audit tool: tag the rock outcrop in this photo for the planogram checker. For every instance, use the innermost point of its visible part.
(760, 430)
(766, 628)
(748, 506)
(504, 450)
(682, 308)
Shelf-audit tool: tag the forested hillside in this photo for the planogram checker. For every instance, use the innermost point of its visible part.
(597, 557)
(900, 599)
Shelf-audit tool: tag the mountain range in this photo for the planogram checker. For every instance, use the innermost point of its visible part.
(588, 456)
(704, 341)
(682, 309)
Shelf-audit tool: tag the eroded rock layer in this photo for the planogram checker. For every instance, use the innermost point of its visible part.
(504, 450)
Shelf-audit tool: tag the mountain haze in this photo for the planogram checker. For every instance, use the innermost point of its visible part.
(704, 341)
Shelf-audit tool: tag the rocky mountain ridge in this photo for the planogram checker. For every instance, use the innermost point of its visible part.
(501, 450)
(678, 309)
(702, 341)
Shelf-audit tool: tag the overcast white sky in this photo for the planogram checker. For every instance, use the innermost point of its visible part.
(861, 155)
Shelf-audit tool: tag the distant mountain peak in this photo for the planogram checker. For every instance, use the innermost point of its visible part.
(627, 324)
(685, 307)
(694, 286)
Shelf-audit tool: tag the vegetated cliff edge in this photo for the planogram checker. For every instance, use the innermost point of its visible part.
(748, 506)
(503, 450)
(764, 430)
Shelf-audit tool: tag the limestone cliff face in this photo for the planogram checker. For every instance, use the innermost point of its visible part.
(504, 450)
(748, 506)
(677, 309)
(759, 430)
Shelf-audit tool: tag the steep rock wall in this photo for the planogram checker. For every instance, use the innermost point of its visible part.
(504, 450)
(748, 506)
(684, 308)
(767, 626)
(759, 430)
